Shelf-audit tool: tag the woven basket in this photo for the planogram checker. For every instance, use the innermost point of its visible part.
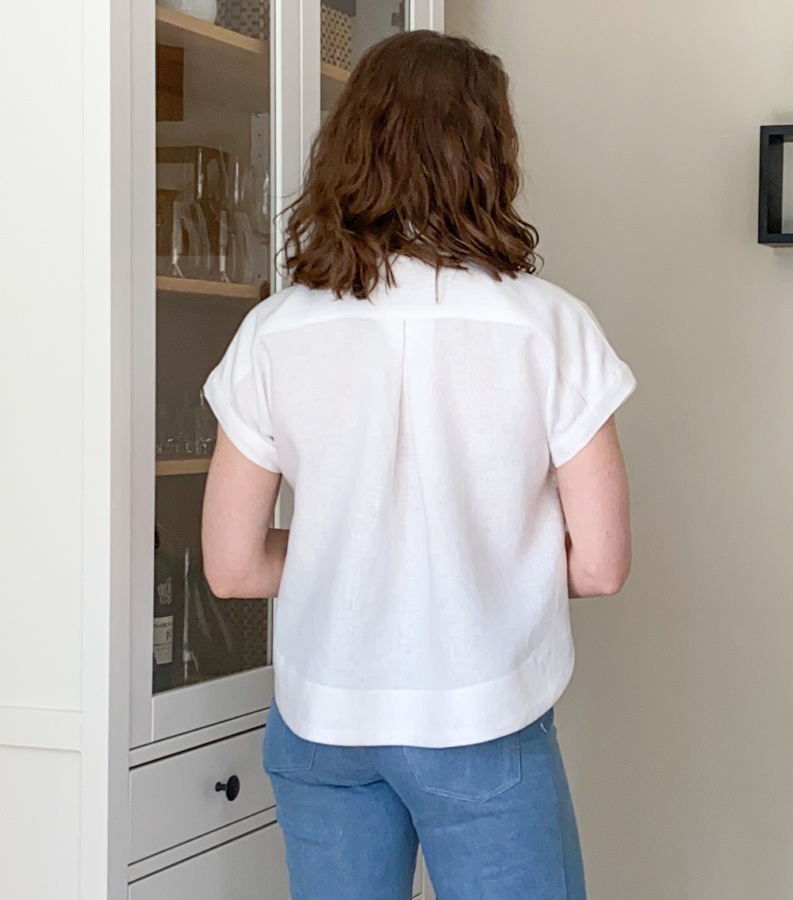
(248, 17)
(252, 18)
(336, 38)
(247, 622)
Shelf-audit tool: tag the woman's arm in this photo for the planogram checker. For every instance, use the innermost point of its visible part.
(243, 556)
(593, 487)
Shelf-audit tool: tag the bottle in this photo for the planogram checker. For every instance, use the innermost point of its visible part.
(164, 597)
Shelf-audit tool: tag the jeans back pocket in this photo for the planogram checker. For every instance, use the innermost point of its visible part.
(474, 773)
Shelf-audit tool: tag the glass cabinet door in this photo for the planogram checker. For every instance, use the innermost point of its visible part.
(348, 29)
(214, 257)
(226, 98)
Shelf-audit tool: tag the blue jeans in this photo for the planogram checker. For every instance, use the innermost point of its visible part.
(495, 820)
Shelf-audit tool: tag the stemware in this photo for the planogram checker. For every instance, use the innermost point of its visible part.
(164, 428)
(184, 443)
(205, 427)
(190, 250)
(200, 251)
(245, 249)
(255, 200)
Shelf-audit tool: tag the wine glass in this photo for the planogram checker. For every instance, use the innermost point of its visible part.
(164, 428)
(184, 443)
(245, 249)
(200, 253)
(205, 427)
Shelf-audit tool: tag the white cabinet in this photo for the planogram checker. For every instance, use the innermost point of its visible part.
(148, 157)
(207, 169)
(252, 867)
(223, 116)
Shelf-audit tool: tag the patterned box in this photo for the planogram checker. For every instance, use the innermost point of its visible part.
(252, 18)
(248, 17)
(247, 624)
(336, 37)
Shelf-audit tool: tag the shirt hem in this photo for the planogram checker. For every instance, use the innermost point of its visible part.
(424, 718)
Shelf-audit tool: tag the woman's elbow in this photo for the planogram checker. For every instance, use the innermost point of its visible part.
(614, 582)
(221, 584)
(598, 579)
(613, 577)
(224, 569)
(239, 584)
(225, 577)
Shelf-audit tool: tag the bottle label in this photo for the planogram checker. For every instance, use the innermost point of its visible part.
(163, 640)
(165, 592)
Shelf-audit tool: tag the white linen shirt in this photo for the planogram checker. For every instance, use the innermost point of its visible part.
(424, 597)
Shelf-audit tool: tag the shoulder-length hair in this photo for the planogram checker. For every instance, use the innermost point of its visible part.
(419, 157)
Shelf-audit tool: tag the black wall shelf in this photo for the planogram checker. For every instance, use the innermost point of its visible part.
(772, 162)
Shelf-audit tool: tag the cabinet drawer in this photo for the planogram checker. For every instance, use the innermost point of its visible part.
(174, 800)
(252, 867)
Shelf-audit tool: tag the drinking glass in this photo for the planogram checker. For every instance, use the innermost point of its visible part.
(184, 438)
(205, 427)
(245, 249)
(200, 252)
(164, 431)
(190, 251)
(255, 200)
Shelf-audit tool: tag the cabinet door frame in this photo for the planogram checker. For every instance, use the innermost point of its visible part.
(426, 14)
(166, 715)
(144, 372)
(295, 118)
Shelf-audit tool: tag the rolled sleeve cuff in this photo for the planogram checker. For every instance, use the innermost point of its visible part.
(594, 415)
(257, 448)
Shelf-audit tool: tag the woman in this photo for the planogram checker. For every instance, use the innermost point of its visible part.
(445, 418)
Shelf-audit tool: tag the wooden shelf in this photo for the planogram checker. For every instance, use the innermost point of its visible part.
(197, 466)
(170, 285)
(335, 73)
(173, 26)
(221, 66)
(333, 81)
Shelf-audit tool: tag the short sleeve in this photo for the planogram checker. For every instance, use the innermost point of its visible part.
(590, 383)
(238, 391)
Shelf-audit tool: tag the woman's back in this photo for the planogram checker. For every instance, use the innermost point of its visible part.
(427, 558)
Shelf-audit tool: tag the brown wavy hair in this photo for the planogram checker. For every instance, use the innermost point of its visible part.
(419, 157)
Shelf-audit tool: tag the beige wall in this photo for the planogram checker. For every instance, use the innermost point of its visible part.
(641, 128)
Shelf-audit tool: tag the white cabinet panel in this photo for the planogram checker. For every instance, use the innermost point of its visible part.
(40, 824)
(251, 868)
(418, 881)
(174, 799)
(42, 358)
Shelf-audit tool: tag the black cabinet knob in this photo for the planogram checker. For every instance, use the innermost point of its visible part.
(231, 788)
